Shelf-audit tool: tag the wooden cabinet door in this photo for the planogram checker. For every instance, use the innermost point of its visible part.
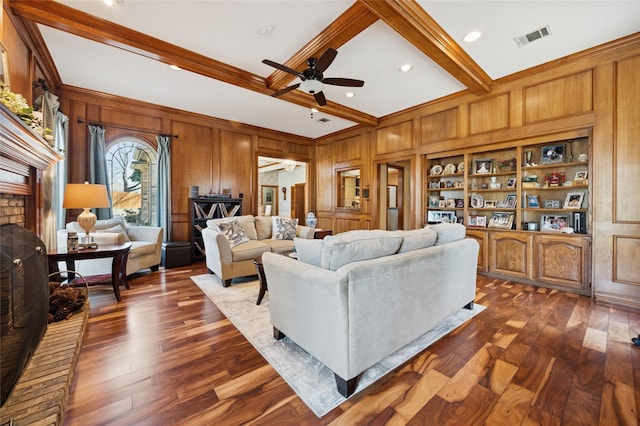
(563, 261)
(481, 238)
(510, 253)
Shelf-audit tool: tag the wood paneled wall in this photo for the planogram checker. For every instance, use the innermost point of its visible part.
(210, 153)
(595, 90)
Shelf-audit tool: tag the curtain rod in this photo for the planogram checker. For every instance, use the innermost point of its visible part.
(81, 121)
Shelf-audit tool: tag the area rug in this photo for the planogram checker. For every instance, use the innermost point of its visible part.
(312, 381)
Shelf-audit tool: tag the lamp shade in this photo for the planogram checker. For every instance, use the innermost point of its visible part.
(85, 195)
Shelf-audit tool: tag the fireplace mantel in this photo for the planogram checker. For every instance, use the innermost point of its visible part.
(24, 156)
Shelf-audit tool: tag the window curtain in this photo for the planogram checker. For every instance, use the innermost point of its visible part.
(55, 176)
(164, 185)
(98, 165)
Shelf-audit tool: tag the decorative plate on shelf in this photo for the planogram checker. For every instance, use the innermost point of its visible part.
(461, 167)
(449, 169)
(436, 170)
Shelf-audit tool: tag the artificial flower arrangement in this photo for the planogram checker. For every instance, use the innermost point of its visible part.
(507, 165)
(17, 104)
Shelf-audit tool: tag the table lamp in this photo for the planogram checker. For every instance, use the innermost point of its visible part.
(86, 196)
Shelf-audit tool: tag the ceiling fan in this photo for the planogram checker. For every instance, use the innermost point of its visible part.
(312, 78)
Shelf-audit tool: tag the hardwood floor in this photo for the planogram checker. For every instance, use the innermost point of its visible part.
(166, 355)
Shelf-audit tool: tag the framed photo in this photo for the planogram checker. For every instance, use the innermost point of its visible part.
(483, 166)
(552, 154)
(490, 204)
(554, 179)
(553, 222)
(477, 222)
(511, 183)
(581, 175)
(552, 204)
(533, 202)
(451, 203)
(574, 200)
(477, 201)
(442, 204)
(449, 217)
(434, 201)
(511, 201)
(459, 203)
(502, 220)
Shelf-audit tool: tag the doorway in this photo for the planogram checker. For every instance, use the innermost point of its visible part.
(393, 190)
(298, 202)
(284, 176)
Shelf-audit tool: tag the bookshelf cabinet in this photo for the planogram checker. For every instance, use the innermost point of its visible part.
(518, 201)
(204, 208)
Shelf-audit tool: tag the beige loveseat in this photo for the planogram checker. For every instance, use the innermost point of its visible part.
(145, 252)
(229, 262)
(355, 298)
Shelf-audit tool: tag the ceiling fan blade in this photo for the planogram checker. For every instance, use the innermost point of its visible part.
(285, 90)
(349, 82)
(326, 59)
(322, 101)
(282, 67)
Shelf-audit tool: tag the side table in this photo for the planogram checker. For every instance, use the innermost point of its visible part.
(321, 233)
(119, 252)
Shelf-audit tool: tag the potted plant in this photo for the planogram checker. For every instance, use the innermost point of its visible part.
(507, 165)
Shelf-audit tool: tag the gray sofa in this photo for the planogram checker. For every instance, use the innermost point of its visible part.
(229, 262)
(353, 299)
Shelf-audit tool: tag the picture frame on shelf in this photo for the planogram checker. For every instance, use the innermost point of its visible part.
(574, 200)
(442, 204)
(502, 220)
(476, 221)
(459, 203)
(490, 204)
(477, 201)
(553, 223)
(483, 166)
(511, 183)
(449, 217)
(511, 201)
(553, 154)
(554, 179)
(434, 201)
(451, 203)
(441, 217)
(533, 201)
(552, 204)
(580, 178)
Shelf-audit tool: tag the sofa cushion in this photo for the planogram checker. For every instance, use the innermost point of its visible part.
(448, 232)
(353, 246)
(263, 227)
(248, 250)
(233, 231)
(117, 229)
(278, 246)
(141, 248)
(247, 222)
(308, 250)
(417, 239)
(283, 228)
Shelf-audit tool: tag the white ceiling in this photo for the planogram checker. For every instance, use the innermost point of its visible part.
(232, 32)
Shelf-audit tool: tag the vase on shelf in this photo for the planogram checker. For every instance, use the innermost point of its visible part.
(311, 220)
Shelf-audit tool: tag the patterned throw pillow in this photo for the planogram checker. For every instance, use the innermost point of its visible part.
(284, 228)
(233, 231)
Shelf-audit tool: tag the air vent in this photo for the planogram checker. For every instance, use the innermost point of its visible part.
(533, 36)
(323, 120)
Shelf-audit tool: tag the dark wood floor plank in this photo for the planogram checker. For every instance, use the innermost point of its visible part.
(166, 355)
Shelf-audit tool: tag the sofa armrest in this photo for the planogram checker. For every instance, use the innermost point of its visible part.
(305, 232)
(217, 250)
(152, 234)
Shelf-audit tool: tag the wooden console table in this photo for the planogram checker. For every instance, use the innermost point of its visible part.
(119, 252)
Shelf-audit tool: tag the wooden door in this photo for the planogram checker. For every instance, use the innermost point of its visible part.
(298, 202)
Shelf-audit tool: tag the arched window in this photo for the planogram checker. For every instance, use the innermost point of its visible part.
(132, 168)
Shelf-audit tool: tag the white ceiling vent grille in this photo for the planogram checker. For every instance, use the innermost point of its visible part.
(533, 36)
(323, 120)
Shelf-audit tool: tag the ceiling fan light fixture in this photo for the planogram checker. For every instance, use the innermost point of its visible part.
(349, 95)
(311, 86)
(289, 165)
(472, 36)
(175, 67)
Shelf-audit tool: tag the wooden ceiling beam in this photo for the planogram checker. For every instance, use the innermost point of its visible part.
(348, 25)
(61, 17)
(409, 20)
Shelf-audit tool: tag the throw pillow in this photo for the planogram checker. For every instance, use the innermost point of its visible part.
(247, 222)
(284, 228)
(232, 230)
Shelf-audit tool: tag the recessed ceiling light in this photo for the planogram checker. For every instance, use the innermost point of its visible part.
(406, 68)
(108, 2)
(314, 109)
(349, 95)
(265, 30)
(175, 67)
(472, 36)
